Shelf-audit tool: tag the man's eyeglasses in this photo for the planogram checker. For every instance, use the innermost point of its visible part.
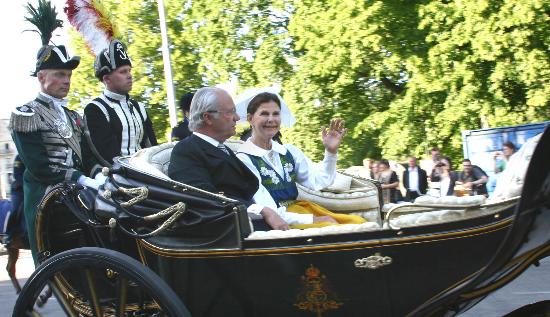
(226, 112)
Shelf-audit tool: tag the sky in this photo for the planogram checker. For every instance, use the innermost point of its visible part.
(18, 54)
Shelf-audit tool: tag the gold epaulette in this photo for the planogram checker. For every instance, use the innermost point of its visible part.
(24, 119)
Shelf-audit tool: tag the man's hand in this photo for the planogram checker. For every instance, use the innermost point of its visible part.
(324, 219)
(273, 219)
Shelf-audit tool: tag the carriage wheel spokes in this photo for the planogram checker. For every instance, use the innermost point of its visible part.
(94, 300)
(101, 282)
(122, 292)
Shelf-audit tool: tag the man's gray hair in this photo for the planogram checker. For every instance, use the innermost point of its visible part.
(205, 99)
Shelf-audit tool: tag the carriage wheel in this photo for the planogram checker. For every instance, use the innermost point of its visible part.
(100, 282)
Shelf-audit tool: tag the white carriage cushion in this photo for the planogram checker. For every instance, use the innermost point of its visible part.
(292, 233)
(451, 200)
(510, 181)
(154, 160)
(353, 201)
(360, 171)
(436, 216)
(341, 183)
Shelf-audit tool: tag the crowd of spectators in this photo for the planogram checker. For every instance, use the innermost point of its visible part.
(436, 177)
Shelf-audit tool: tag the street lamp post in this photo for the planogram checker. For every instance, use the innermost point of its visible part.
(167, 66)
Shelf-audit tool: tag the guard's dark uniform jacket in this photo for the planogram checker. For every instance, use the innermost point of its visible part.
(118, 125)
(52, 149)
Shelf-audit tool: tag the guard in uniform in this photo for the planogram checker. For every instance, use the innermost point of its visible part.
(119, 125)
(48, 135)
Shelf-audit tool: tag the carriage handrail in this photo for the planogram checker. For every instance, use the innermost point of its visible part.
(392, 210)
(140, 192)
(175, 210)
(123, 160)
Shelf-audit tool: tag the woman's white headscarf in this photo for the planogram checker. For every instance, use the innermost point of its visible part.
(242, 101)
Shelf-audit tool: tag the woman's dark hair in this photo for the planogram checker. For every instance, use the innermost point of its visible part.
(509, 145)
(384, 162)
(263, 97)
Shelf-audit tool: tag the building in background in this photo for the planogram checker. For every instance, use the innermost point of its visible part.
(7, 154)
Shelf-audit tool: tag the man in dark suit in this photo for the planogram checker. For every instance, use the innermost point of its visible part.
(203, 161)
(414, 180)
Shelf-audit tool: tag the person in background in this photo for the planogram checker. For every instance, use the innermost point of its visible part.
(435, 154)
(473, 178)
(500, 161)
(181, 131)
(375, 170)
(415, 180)
(119, 125)
(389, 181)
(16, 222)
(446, 177)
(502, 158)
(367, 164)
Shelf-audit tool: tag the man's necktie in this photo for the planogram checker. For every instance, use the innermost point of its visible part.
(223, 148)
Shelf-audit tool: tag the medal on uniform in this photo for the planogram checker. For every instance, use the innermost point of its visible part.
(63, 129)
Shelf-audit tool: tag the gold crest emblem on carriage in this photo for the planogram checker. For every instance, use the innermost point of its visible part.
(315, 295)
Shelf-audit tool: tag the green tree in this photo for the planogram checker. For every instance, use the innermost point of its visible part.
(405, 75)
(351, 64)
(486, 66)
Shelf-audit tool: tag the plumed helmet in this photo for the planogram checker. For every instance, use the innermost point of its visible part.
(44, 18)
(110, 59)
(54, 57)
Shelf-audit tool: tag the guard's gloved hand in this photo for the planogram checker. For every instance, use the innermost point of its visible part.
(89, 182)
(100, 178)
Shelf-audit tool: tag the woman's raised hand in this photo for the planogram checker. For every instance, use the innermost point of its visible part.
(333, 135)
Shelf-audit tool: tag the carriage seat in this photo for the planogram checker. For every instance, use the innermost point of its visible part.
(154, 160)
(451, 201)
(347, 194)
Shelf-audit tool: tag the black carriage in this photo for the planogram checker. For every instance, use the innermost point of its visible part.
(148, 246)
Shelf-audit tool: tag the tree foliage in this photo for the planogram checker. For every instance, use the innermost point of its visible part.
(405, 75)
